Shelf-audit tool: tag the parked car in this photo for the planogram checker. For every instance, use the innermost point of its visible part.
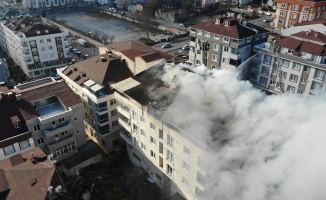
(69, 46)
(166, 45)
(186, 47)
(85, 56)
(73, 50)
(78, 53)
(73, 61)
(267, 20)
(82, 42)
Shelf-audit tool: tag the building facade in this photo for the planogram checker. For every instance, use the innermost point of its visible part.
(43, 4)
(53, 114)
(290, 12)
(224, 42)
(301, 69)
(4, 72)
(38, 48)
(317, 24)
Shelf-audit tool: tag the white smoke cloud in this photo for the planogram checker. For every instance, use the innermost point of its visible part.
(267, 147)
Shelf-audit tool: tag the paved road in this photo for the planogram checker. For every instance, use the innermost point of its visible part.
(261, 23)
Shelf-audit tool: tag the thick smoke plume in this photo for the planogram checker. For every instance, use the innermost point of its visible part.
(261, 147)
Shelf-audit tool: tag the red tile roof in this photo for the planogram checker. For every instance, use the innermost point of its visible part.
(290, 43)
(28, 180)
(316, 21)
(311, 35)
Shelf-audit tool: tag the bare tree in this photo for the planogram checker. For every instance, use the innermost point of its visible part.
(190, 7)
(104, 38)
(111, 38)
(96, 35)
(147, 24)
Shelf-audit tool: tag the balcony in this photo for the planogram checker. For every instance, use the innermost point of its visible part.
(126, 136)
(125, 123)
(55, 145)
(124, 111)
(33, 45)
(256, 60)
(58, 128)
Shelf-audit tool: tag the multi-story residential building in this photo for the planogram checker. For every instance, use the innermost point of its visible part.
(290, 12)
(92, 79)
(317, 24)
(172, 158)
(298, 68)
(15, 137)
(38, 48)
(43, 4)
(53, 114)
(224, 42)
(4, 72)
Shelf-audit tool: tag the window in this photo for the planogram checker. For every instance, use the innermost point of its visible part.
(153, 154)
(169, 155)
(216, 37)
(306, 69)
(296, 66)
(160, 133)
(306, 9)
(280, 21)
(226, 49)
(50, 47)
(293, 15)
(48, 40)
(303, 81)
(17, 125)
(300, 92)
(292, 23)
(249, 39)
(185, 166)
(40, 141)
(41, 41)
(169, 170)
(142, 133)
(293, 78)
(285, 63)
(65, 132)
(224, 60)
(284, 5)
(43, 48)
(215, 47)
(271, 82)
(265, 71)
(152, 126)
(37, 127)
(112, 102)
(142, 119)
(170, 140)
(315, 86)
(295, 7)
(24, 144)
(279, 85)
(134, 116)
(207, 34)
(319, 74)
(114, 113)
(142, 146)
(214, 57)
(305, 17)
(184, 181)
(61, 119)
(198, 192)
(290, 89)
(9, 150)
(283, 14)
(186, 150)
(199, 32)
(263, 81)
(267, 60)
(115, 123)
(152, 140)
(283, 75)
(226, 39)
(274, 71)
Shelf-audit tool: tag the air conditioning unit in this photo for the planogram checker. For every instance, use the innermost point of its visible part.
(19, 97)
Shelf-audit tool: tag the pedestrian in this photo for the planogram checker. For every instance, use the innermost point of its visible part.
(94, 50)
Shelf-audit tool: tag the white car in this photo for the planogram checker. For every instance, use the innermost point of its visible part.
(186, 47)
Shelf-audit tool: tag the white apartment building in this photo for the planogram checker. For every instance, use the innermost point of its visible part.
(53, 114)
(38, 48)
(15, 137)
(224, 42)
(42, 4)
(301, 69)
(92, 79)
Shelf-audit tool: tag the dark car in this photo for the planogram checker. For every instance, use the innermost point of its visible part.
(78, 53)
(85, 56)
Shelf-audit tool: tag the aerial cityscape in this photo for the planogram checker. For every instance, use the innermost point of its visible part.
(162, 99)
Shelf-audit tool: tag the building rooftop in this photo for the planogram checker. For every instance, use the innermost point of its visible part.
(31, 26)
(103, 69)
(313, 22)
(28, 176)
(53, 91)
(9, 116)
(8, 12)
(312, 36)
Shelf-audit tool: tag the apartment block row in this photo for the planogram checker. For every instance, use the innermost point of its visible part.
(224, 42)
(43, 113)
(297, 68)
(38, 48)
(291, 12)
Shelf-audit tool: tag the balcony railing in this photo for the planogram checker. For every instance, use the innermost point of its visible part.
(125, 124)
(126, 136)
(58, 128)
(55, 145)
(123, 111)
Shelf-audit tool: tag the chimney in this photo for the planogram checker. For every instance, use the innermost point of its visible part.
(310, 30)
(103, 59)
(316, 35)
(307, 33)
(75, 69)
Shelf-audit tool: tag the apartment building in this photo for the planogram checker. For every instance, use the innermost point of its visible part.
(15, 137)
(290, 12)
(301, 68)
(43, 4)
(92, 79)
(38, 48)
(172, 158)
(224, 42)
(317, 24)
(53, 114)
(4, 71)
